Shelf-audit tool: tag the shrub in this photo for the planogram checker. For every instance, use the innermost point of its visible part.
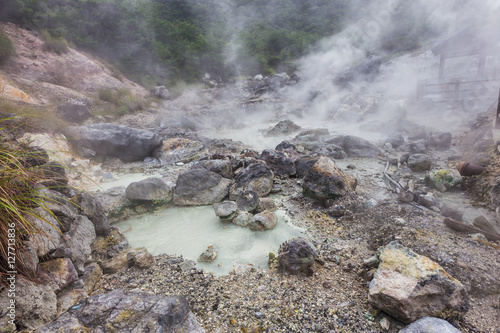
(18, 199)
(58, 45)
(6, 47)
(123, 100)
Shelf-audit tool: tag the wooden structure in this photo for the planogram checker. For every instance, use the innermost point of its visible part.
(469, 42)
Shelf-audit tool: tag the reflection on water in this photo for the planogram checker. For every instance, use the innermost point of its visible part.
(188, 231)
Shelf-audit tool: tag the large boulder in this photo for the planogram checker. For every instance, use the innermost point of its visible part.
(331, 150)
(296, 256)
(200, 187)
(356, 147)
(324, 180)
(127, 311)
(255, 177)
(128, 144)
(36, 304)
(409, 286)
(430, 325)
(222, 167)
(179, 150)
(89, 206)
(149, 190)
(281, 162)
(305, 163)
(419, 162)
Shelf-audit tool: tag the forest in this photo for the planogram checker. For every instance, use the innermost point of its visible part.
(164, 41)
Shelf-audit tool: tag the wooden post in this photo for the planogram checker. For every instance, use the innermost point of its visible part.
(497, 119)
(441, 67)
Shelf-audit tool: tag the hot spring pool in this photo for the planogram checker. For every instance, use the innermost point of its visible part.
(188, 231)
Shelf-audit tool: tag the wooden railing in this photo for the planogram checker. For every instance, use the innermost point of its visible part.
(457, 90)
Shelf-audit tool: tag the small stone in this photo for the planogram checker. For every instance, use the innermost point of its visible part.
(209, 255)
(385, 324)
(260, 315)
(187, 265)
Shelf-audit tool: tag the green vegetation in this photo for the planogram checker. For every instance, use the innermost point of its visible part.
(58, 45)
(6, 47)
(123, 101)
(163, 42)
(20, 172)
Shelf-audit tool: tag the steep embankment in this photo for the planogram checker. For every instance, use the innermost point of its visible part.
(50, 78)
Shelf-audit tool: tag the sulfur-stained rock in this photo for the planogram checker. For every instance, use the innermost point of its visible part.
(443, 180)
(208, 255)
(200, 187)
(58, 273)
(409, 286)
(144, 260)
(326, 181)
(255, 177)
(179, 149)
(419, 162)
(282, 163)
(266, 204)
(263, 221)
(296, 256)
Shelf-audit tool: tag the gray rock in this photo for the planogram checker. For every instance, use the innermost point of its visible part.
(243, 218)
(331, 150)
(418, 147)
(326, 181)
(149, 190)
(285, 145)
(226, 210)
(284, 127)
(314, 135)
(440, 140)
(89, 206)
(78, 240)
(247, 201)
(200, 187)
(175, 150)
(208, 255)
(222, 167)
(296, 256)
(91, 276)
(144, 260)
(127, 311)
(419, 162)
(263, 221)
(161, 92)
(73, 111)
(48, 237)
(266, 204)
(430, 325)
(36, 304)
(128, 144)
(255, 177)
(187, 265)
(453, 212)
(305, 163)
(409, 286)
(58, 273)
(396, 140)
(443, 180)
(280, 162)
(357, 147)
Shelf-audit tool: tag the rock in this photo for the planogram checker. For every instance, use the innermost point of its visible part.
(247, 201)
(91, 276)
(278, 81)
(482, 223)
(452, 212)
(385, 324)
(337, 210)
(409, 286)
(187, 265)
(226, 210)
(418, 147)
(419, 162)
(54, 175)
(128, 144)
(209, 255)
(67, 298)
(243, 218)
(313, 135)
(296, 256)
(366, 70)
(285, 145)
(78, 240)
(284, 127)
(48, 236)
(331, 150)
(430, 325)
(305, 163)
(357, 147)
(58, 273)
(200, 187)
(179, 150)
(282, 163)
(255, 177)
(144, 260)
(266, 204)
(127, 311)
(263, 221)
(123, 260)
(396, 140)
(89, 206)
(222, 167)
(428, 200)
(326, 181)
(440, 140)
(161, 92)
(36, 304)
(443, 180)
(74, 111)
(149, 190)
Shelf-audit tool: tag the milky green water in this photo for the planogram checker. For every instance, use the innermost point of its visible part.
(188, 231)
